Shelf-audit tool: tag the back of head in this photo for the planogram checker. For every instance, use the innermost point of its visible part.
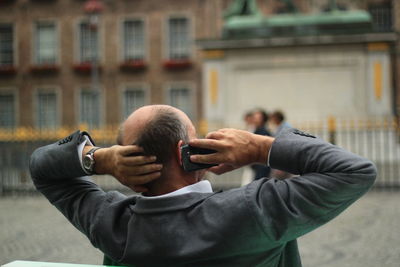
(161, 134)
(160, 130)
(261, 117)
(278, 116)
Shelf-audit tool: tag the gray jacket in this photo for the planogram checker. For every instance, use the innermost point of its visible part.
(255, 225)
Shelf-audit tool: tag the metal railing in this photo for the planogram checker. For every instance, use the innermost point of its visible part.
(376, 139)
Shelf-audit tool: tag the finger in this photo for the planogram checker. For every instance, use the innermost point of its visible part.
(130, 149)
(214, 158)
(206, 143)
(224, 130)
(220, 169)
(139, 188)
(215, 135)
(140, 170)
(142, 179)
(137, 160)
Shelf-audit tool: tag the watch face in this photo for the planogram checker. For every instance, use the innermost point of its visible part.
(87, 163)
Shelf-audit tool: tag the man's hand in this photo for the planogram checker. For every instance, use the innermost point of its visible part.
(131, 171)
(235, 148)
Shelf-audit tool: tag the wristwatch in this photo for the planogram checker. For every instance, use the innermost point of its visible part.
(88, 161)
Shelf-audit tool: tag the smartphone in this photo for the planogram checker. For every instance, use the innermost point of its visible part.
(188, 165)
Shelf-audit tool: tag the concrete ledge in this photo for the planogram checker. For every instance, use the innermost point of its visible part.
(297, 41)
(46, 264)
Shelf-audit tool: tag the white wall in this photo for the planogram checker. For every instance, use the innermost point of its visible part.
(307, 83)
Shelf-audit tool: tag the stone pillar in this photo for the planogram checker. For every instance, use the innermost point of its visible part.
(214, 90)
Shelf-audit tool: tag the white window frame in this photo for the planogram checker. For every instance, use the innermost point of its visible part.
(102, 108)
(142, 86)
(14, 40)
(146, 34)
(14, 92)
(34, 41)
(192, 90)
(52, 89)
(100, 32)
(191, 37)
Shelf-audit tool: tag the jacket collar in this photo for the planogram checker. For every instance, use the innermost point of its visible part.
(177, 200)
(199, 187)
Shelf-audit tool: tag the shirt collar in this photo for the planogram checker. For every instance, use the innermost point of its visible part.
(199, 187)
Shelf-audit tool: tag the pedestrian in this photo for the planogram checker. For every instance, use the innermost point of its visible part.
(260, 119)
(278, 122)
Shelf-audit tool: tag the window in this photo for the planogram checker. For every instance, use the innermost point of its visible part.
(46, 110)
(381, 17)
(178, 39)
(133, 98)
(180, 97)
(90, 108)
(7, 110)
(6, 44)
(134, 45)
(45, 43)
(88, 43)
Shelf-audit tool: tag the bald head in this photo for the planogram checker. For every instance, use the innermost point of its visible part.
(158, 129)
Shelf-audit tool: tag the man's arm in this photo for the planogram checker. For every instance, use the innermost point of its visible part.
(330, 178)
(131, 171)
(57, 173)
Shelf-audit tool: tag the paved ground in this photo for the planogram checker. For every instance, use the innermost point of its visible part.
(366, 235)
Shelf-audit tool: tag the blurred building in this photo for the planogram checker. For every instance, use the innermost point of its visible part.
(144, 50)
(272, 54)
(214, 59)
(313, 59)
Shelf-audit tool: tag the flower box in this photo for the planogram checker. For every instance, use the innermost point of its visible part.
(177, 64)
(85, 67)
(44, 68)
(7, 70)
(133, 65)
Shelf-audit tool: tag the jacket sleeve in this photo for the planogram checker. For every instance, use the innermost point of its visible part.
(330, 179)
(57, 173)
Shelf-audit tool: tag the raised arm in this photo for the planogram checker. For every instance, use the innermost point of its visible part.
(57, 173)
(329, 180)
(61, 160)
(131, 171)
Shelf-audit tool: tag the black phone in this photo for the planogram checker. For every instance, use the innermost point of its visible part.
(188, 165)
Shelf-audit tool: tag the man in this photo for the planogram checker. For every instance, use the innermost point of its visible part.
(248, 119)
(180, 221)
(260, 118)
(278, 122)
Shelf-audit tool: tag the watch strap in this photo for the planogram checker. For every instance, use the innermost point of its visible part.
(90, 153)
(92, 150)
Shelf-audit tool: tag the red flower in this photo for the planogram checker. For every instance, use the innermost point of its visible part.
(177, 64)
(84, 67)
(133, 65)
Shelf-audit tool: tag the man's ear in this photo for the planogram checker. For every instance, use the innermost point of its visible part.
(178, 151)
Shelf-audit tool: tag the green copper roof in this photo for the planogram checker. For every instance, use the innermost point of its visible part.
(334, 17)
(244, 15)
